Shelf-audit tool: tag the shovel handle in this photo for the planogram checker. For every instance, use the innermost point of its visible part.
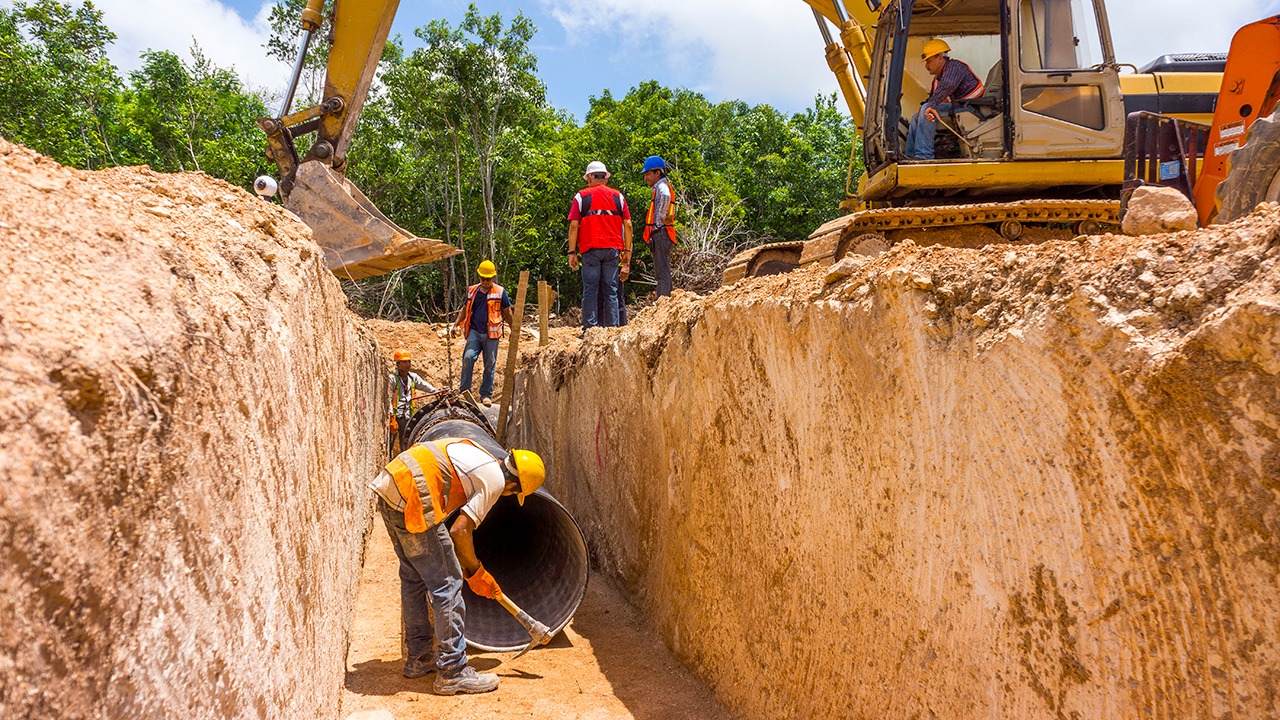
(539, 632)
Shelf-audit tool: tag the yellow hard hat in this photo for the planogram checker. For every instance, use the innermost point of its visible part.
(934, 47)
(530, 470)
(402, 355)
(487, 269)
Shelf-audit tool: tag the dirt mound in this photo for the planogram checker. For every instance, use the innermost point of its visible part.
(1029, 482)
(187, 417)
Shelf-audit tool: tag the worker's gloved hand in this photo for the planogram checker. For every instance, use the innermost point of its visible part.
(392, 425)
(483, 584)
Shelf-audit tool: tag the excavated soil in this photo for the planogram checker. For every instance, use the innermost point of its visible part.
(1032, 482)
(188, 413)
(607, 665)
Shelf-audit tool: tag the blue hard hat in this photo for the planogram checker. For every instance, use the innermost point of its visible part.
(653, 162)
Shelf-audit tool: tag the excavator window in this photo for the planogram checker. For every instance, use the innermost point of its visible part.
(1059, 35)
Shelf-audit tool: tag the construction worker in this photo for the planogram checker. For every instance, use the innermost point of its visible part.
(406, 388)
(660, 222)
(418, 492)
(953, 80)
(488, 306)
(599, 227)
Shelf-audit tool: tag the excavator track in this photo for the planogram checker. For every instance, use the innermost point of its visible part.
(970, 226)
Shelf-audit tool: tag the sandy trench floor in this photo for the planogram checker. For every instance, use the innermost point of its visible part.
(605, 665)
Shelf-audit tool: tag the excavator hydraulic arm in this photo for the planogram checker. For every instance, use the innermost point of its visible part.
(358, 240)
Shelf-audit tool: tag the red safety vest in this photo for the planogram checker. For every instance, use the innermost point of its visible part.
(495, 310)
(600, 225)
(669, 220)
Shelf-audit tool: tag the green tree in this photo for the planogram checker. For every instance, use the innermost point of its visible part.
(486, 86)
(61, 94)
(195, 116)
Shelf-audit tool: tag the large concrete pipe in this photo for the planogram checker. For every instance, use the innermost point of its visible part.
(536, 552)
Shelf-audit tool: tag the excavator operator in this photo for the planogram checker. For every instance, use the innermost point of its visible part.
(953, 80)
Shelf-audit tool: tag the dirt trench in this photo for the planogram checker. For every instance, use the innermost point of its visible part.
(1032, 482)
(187, 419)
(189, 416)
(1012, 482)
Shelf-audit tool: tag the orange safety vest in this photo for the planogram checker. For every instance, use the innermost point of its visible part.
(495, 310)
(669, 218)
(447, 493)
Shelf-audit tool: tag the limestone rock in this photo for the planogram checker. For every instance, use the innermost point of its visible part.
(1155, 209)
(847, 266)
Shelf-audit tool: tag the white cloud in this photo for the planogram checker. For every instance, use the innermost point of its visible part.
(224, 37)
(1143, 30)
(754, 50)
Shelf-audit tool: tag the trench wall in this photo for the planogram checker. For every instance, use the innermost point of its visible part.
(1015, 482)
(187, 419)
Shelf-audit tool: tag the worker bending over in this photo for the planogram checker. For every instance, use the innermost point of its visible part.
(952, 81)
(417, 492)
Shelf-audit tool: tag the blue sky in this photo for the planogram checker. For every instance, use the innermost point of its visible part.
(760, 51)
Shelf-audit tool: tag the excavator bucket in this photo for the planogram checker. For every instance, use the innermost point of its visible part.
(358, 240)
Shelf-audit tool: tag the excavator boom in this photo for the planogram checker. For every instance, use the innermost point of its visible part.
(358, 240)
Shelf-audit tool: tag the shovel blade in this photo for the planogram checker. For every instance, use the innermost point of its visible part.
(357, 239)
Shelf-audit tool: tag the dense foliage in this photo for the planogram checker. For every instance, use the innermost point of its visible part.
(456, 142)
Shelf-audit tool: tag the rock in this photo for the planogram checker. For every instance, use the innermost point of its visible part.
(371, 715)
(1155, 209)
(846, 267)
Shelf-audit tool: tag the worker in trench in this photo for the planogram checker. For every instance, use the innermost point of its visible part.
(432, 497)
(480, 320)
(407, 387)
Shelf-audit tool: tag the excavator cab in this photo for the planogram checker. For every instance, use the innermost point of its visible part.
(1052, 99)
(358, 240)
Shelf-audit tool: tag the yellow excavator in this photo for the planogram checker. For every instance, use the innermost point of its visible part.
(1041, 153)
(358, 240)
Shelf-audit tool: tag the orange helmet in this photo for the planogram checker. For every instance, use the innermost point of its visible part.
(402, 355)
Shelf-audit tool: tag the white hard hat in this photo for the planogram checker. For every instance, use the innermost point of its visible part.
(595, 167)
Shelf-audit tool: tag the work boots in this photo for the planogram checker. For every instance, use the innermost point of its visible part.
(419, 667)
(465, 681)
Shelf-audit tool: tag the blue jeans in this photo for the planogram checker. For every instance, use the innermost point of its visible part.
(600, 286)
(622, 303)
(430, 586)
(922, 132)
(478, 342)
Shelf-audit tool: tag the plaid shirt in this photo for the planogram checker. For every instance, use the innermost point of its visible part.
(955, 82)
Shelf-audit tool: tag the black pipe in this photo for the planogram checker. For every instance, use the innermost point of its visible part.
(536, 552)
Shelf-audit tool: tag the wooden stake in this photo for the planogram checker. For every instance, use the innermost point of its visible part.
(544, 313)
(513, 350)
